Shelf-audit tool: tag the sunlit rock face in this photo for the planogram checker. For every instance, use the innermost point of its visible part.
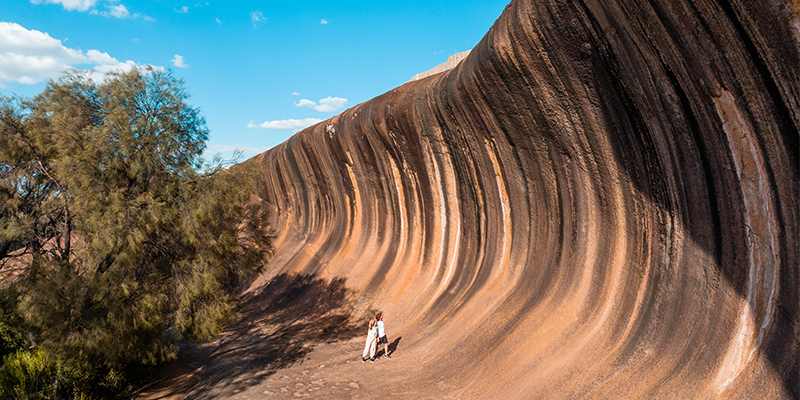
(601, 201)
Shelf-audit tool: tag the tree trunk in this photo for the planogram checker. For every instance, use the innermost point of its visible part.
(67, 230)
(55, 389)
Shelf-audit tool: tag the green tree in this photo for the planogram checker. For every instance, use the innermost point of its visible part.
(117, 239)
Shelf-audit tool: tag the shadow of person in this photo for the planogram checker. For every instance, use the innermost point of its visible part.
(393, 345)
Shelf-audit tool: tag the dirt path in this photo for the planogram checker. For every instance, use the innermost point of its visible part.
(298, 338)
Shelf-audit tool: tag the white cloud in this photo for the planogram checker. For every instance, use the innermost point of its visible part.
(218, 21)
(257, 16)
(102, 69)
(306, 103)
(107, 64)
(101, 58)
(331, 104)
(286, 124)
(323, 22)
(295, 94)
(119, 11)
(14, 38)
(30, 56)
(183, 10)
(178, 62)
(327, 104)
(80, 5)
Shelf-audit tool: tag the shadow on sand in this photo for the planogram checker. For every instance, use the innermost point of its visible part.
(280, 325)
(392, 347)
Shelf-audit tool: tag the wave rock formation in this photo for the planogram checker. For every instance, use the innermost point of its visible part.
(601, 201)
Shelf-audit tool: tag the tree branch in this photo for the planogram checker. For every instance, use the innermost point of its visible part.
(66, 233)
(105, 264)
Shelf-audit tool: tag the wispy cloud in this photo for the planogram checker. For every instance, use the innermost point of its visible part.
(79, 5)
(218, 21)
(323, 21)
(118, 11)
(178, 62)
(257, 17)
(29, 56)
(327, 104)
(286, 124)
(182, 10)
(113, 10)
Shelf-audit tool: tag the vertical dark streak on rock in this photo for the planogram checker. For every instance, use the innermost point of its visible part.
(694, 129)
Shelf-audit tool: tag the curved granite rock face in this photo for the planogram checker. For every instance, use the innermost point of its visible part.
(602, 200)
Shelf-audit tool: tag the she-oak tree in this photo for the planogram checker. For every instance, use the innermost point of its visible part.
(115, 238)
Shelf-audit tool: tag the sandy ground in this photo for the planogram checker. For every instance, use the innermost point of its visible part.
(330, 371)
(298, 338)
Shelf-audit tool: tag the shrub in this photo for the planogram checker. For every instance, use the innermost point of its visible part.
(27, 375)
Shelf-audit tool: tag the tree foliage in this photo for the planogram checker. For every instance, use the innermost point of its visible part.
(27, 375)
(116, 238)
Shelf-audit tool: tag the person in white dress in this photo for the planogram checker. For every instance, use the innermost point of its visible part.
(372, 343)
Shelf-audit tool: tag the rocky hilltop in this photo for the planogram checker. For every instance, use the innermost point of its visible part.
(602, 200)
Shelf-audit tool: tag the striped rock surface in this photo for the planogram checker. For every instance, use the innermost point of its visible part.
(601, 201)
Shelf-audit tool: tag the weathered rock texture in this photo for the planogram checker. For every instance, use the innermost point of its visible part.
(600, 201)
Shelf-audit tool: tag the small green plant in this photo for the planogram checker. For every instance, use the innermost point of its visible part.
(27, 375)
(12, 333)
(84, 396)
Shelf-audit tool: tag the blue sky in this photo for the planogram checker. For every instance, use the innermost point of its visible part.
(258, 70)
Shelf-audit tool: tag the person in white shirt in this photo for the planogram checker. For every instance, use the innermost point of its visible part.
(382, 335)
(371, 346)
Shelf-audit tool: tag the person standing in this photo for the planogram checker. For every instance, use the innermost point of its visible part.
(382, 335)
(371, 346)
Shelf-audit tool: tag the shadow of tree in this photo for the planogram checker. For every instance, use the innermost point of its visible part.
(280, 325)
